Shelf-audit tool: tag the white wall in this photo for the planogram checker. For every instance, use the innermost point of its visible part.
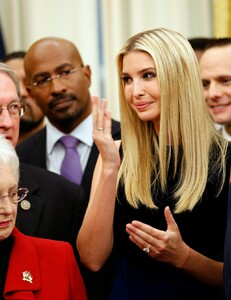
(25, 21)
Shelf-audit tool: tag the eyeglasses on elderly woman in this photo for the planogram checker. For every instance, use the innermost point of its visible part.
(16, 195)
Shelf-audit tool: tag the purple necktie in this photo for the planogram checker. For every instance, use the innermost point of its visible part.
(71, 168)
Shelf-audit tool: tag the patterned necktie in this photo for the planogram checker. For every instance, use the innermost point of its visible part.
(71, 168)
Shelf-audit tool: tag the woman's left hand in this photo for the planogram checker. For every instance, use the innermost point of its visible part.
(164, 246)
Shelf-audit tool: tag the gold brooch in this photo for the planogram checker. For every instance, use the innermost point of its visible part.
(26, 276)
(25, 204)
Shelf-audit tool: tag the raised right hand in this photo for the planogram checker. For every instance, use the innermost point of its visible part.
(102, 134)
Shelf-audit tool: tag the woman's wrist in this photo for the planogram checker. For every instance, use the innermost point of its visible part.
(110, 168)
(184, 261)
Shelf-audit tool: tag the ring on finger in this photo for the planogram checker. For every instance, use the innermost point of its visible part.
(100, 128)
(147, 249)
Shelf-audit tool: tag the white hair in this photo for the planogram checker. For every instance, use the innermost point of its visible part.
(8, 155)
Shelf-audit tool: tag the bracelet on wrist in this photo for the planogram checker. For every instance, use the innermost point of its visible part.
(186, 259)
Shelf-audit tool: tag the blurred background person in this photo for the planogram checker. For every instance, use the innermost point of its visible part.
(199, 45)
(215, 67)
(33, 120)
(227, 254)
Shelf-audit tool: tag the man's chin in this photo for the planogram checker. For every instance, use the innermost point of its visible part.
(222, 120)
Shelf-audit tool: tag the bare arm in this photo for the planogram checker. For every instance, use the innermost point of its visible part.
(95, 239)
(168, 246)
(204, 269)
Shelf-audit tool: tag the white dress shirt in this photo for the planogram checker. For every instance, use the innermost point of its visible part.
(55, 151)
(225, 134)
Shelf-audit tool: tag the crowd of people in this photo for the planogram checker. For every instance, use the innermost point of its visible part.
(31, 267)
(127, 209)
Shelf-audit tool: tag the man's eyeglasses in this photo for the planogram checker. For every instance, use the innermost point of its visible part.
(15, 109)
(16, 195)
(44, 81)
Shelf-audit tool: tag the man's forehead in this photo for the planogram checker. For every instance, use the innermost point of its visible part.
(5, 80)
(50, 62)
(217, 54)
(219, 64)
(7, 87)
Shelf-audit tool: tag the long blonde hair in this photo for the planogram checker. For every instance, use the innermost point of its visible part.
(185, 122)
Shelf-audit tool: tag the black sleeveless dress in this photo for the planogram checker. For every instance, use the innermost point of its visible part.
(140, 277)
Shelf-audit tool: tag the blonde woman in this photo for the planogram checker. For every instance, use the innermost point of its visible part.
(160, 197)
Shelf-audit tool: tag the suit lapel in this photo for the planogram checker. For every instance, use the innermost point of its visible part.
(33, 214)
(39, 153)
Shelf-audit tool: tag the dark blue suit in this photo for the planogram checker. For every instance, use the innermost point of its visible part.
(227, 255)
(33, 151)
(54, 203)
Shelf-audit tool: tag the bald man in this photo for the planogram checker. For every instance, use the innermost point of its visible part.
(59, 81)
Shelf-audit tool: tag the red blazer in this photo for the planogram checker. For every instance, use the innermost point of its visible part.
(42, 269)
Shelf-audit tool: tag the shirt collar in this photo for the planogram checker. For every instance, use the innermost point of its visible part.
(225, 134)
(82, 132)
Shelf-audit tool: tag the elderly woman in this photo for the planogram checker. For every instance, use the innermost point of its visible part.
(31, 268)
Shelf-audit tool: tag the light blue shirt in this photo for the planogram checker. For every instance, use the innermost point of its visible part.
(55, 151)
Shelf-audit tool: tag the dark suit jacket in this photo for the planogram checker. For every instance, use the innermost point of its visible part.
(57, 205)
(33, 151)
(42, 269)
(227, 252)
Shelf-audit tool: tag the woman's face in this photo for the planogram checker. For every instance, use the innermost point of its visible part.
(141, 87)
(8, 210)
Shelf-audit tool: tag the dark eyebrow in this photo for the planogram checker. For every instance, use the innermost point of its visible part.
(142, 71)
(124, 73)
(148, 69)
(57, 69)
(41, 74)
(60, 67)
(221, 77)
